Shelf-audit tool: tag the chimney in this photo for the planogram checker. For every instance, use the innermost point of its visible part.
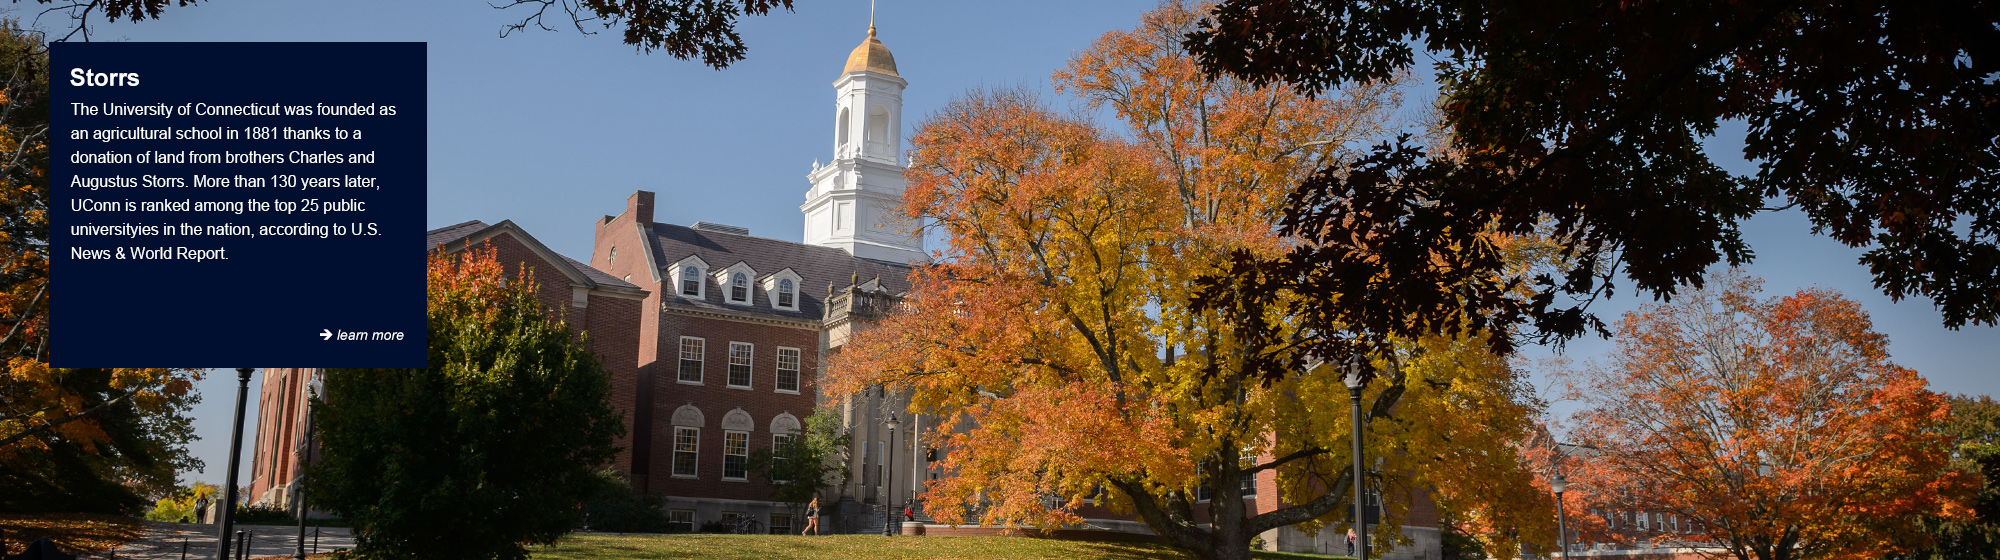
(640, 206)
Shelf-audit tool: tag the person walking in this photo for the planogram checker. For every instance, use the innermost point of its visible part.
(812, 517)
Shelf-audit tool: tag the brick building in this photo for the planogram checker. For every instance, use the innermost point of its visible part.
(588, 299)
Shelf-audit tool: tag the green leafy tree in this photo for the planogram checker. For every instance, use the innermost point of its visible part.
(181, 503)
(492, 447)
(1974, 427)
(1584, 121)
(806, 463)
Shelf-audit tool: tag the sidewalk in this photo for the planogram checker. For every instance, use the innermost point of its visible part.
(163, 541)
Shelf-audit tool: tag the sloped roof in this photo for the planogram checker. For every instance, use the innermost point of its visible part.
(447, 234)
(592, 277)
(816, 266)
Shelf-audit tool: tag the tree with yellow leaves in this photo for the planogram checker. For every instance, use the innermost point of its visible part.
(1058, 338)
(70, 439)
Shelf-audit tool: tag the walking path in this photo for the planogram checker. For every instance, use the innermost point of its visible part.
(163, 541)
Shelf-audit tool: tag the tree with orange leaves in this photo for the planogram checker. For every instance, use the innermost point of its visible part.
(1778, 427)
(1057, 339)
(70, 439)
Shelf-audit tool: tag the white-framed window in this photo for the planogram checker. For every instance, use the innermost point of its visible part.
(781, 289)
(740, 354)
(687, 278)
(691, 357)
(781, 523)
(1249, 485)
(735, 283)
(681, 520)
(778, 443)
(739, 287)
(1645, 521)
(1202, 493)
(788, 370)
(687, 451)
(735, 455)
(612, 259)
(691, 282)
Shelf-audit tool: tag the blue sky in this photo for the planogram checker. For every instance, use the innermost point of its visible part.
(554, 129)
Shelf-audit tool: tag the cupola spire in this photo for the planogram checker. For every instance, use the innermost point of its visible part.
(852, 204)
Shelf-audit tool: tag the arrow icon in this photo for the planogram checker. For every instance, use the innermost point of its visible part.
(325, 334)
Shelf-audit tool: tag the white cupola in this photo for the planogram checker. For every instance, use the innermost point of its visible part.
(852, 202)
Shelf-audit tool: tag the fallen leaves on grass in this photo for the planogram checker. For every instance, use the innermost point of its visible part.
(73, 532)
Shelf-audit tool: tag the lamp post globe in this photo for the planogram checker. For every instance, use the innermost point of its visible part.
(889, 521)
(1356, 379)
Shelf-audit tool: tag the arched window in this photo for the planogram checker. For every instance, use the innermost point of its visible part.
(739, 287)
(690, 281)
(785, 293)
(840, 139)
(878, 128)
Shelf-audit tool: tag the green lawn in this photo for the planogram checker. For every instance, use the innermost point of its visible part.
(845, 547)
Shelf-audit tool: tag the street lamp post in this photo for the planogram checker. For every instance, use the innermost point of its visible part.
(312, 388)
(1356, 367)
(1562, 532)
(888, 482)
(228, 505)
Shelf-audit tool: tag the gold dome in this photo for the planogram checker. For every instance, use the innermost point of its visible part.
(871, 56)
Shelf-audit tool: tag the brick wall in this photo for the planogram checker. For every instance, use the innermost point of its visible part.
(714, 399)
(622, 232)
(611, 322)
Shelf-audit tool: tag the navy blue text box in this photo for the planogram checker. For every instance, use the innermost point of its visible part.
(236, 204)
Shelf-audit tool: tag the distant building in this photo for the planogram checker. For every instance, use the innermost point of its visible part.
(1611, 526)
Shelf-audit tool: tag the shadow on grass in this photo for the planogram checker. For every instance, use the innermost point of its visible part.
(74, 533)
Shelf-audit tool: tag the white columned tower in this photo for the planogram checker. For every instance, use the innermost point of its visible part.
(852, 202)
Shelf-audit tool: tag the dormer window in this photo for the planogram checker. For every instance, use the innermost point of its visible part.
(782, 289)
(691, 282)
(686, 280)
(736, 280)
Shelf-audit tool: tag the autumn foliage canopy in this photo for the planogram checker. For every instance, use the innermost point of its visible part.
(70, 439)
(1777, 426)
(1056, 338)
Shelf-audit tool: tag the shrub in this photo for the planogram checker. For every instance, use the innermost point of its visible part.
(620, 509)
